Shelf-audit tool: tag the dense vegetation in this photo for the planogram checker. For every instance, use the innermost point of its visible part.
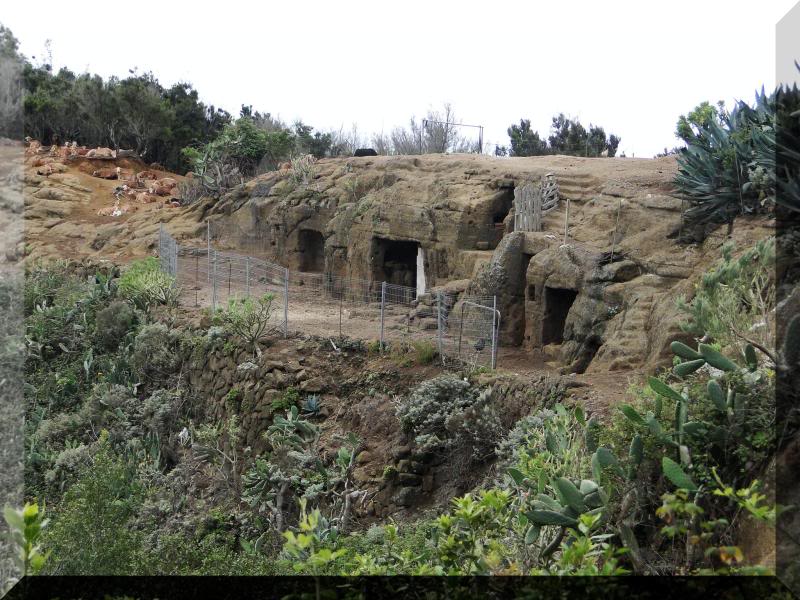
(742, 161)
(567, 136)
(126, 473)
(116, 442)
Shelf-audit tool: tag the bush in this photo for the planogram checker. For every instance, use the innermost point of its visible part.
(154, 351)
(425, 352)
(446, 413)
(248, 319)
(112, 324)
(54, 431)
(728, 166)
(89, 534)
(734, 300)
(68, 464)
(290, 397)
(145, 285)
(158, 413)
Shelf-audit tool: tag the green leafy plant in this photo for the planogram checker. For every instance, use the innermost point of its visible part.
(145, 285)
(310, 545)
(733, 301)
(248, 319)
(25, 526)
(289, 398)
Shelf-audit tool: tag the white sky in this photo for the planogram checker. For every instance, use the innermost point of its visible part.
(631, 66)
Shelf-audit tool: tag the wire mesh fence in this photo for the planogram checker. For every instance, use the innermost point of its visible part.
(460, 327)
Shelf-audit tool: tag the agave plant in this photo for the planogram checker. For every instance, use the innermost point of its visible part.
(730, 164)
(312, 405)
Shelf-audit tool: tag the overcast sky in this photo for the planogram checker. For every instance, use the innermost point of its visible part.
(632, 67)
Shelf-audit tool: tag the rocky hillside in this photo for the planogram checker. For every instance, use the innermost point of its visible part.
(574, 306)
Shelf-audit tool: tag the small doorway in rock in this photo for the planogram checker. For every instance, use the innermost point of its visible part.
(502, 206)
(395, 261)
(311, 247)
(557, 302)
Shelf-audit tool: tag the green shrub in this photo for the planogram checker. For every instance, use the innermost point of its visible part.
(248, 319)
(446, 413)
(158, 413)
(145, 285)
(55, 430)
(290, 398)
(425, 352)
(733, 301)
(112, 324)
(90, 534)
(155, 351)
(69, 462)
(179, 554)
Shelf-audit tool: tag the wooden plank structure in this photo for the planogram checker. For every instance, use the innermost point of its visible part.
(533, 201)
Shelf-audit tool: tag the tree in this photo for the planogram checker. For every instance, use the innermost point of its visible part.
(145, 114)
(691, 127)
(567, 136)
(436, 133)
(135, 112)
(524, 141)
(8, 43)
(317, 144)
(11, 64)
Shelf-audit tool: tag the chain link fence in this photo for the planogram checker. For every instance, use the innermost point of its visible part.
(460, 327)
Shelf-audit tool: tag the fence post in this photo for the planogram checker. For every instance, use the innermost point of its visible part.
(495, 326)
(208, 246)
(247, 274)
(383, 306)
(214, 283)
(439, 324)
(286, 302)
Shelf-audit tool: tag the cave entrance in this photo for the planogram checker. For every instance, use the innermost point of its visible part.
(557, 302)
(395, 261)
(311, 246)
(502, 206)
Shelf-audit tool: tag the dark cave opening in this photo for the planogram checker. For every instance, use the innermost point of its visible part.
(557, 302)
(311, 246)
(395, 261)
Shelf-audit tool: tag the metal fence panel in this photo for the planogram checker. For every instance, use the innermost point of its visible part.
(462, 328)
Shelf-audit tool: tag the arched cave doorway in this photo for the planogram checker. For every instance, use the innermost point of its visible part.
(557, 302)
(311, 248)
(395, 261)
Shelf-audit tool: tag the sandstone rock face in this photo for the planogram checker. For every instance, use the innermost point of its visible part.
(377, 218)
(555, 289)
